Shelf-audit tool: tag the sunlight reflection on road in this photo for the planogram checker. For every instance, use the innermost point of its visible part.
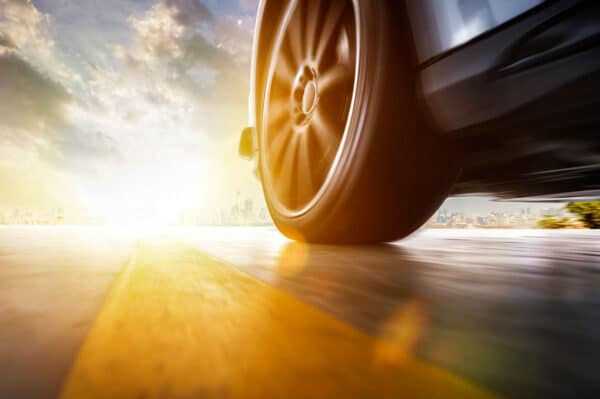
(179, 324)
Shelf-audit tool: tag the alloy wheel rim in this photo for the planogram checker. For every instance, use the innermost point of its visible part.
(309, 98)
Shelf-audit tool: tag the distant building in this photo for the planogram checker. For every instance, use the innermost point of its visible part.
(248, 209)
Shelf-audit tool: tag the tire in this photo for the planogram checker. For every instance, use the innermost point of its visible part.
(344, 156)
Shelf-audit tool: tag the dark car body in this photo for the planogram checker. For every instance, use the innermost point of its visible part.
(521, 95)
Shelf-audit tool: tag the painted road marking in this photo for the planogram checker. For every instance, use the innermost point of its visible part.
(179, 324)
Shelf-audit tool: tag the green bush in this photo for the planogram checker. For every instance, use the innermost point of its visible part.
(550, 222)
(587, 213)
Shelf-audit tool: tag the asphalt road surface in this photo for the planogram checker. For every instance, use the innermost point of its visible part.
(244, 313)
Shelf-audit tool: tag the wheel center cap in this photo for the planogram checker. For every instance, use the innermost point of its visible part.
(309, 98)
(305, 95)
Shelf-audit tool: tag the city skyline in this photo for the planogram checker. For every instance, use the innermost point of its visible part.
(245, 210)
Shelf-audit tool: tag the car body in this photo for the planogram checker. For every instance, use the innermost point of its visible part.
(511, 86)
(522, 93)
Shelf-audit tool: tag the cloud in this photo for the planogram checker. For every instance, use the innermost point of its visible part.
(190, 12)
(176, 72)
(22, 10)
(36, 119)
(83, 152)
(203, 57)
(181, 75)
(32, 102)
(7, 41)
(158, 32)
(24, 24)
(27, 32)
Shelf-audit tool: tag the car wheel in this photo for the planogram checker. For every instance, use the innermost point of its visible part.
(344, 156)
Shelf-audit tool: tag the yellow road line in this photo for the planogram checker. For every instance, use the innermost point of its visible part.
(179, 324)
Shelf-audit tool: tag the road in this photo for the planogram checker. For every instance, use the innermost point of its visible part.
(88, 312)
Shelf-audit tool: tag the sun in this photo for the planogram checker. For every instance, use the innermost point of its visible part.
(148, 194)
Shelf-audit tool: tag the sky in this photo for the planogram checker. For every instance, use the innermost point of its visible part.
(117, 107)
(126, 109)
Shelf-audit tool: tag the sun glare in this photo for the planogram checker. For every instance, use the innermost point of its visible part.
(150, 195)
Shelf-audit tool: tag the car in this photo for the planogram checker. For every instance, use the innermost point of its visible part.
(366, 115)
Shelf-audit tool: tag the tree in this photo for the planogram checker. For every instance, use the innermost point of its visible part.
(587, 212)
(550, 222)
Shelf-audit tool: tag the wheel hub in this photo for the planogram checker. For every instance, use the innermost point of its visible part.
(309, 99)
(305, 95)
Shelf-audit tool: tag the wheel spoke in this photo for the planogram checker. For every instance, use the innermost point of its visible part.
(278, 143)
(332, 21)
(333, 76)
(287, 169)
(304, 170)
(295, 36)
(312, 19)
(284, 73)
(343, 48)
(278, 110)
(324, 130)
